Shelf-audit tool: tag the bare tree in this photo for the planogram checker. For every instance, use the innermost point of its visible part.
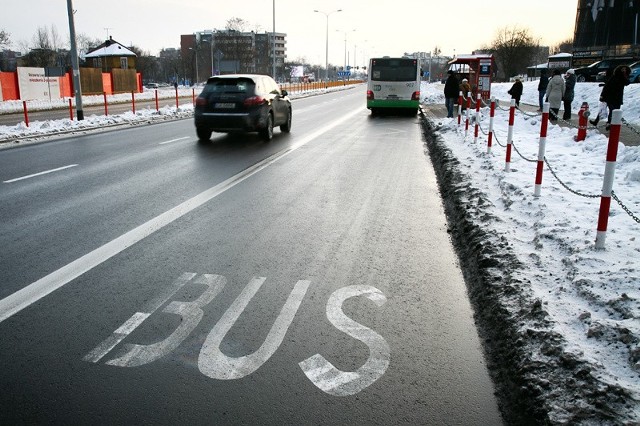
(237, 24)
(41, 39)
(4, 38)
(86, 43)
(565, 46)
(515, 49)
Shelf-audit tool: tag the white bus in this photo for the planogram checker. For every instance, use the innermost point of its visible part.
(393, 83)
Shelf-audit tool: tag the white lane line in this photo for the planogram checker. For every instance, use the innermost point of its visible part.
(173, 140)
(40, 174)
(35, 291)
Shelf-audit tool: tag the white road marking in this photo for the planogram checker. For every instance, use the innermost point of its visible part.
(190, 315)
(40, 173)
(325, 375)
(174, 140)
(215, 364)
(136, 319)
(30, 294)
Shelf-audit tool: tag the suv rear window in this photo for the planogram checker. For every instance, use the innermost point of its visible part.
(229, 85)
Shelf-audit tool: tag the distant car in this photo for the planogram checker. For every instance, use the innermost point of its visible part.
(606, 66)
(242, 103)
(634, 77)
(151, 85)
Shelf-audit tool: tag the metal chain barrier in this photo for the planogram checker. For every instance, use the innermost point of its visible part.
(630, 127)
(625, 208)
(564, 184)
(553, 173)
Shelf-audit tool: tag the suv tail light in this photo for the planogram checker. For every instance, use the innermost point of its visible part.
(254, 101)
(201, 101)
(415, 96)
(370, 95)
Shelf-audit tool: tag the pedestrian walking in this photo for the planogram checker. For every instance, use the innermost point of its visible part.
(554, 94)
(613, 92)
(451, 92)
(542, 87)
(569, 85)
(516, 91)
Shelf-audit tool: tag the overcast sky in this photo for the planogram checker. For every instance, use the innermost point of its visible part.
(372, 27)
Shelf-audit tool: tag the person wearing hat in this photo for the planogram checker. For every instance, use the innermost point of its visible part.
(465, 87)
(569, 86)
(451, 92)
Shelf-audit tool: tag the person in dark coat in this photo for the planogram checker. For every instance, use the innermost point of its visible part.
(451, 92)
(516, 91)
(542, 87)
(569, 85)
(613, 92)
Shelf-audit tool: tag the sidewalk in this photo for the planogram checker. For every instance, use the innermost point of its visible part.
(628, 136)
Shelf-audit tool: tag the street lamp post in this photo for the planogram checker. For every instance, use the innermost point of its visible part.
(274, 40)
(197, 76)
(211, 44)
(326, 54)
(346, 62)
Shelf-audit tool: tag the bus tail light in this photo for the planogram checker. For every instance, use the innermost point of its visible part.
(415, 96)
(370, 95)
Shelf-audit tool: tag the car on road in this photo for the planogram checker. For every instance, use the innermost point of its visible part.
(151, 85)
(606, 66)
(242, 103)
(634, 77)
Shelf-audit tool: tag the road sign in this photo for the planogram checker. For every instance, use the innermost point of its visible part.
(344, 73)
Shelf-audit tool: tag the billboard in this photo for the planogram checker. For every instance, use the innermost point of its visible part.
(297, 71)
(34, 84)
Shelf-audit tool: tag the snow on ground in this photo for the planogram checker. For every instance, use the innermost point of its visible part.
(575, 307)
(581, 304)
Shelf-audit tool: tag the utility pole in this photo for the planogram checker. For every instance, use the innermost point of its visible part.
(74, 63)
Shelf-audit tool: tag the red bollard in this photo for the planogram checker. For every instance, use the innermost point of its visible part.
(466, 123)
(459, 107)
(492, 113)
(133, 102)
(512, 113)
(544, 126)
(26, 114)
(70, 110)
(609, 174)
(176, 98)
(157, 109)
(477, 125)
(583, 115)
(106, 108)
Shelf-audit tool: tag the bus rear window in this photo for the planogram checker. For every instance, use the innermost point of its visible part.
(394, 70)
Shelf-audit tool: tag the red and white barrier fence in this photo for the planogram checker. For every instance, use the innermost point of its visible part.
(512, 115)
(612, 150)
(541, 148)
(492, 113)
(609, 174)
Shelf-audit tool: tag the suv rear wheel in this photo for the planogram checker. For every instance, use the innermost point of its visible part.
(287, 126)
(203, 134)
(267, 132)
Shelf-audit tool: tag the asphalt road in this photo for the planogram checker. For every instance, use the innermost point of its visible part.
(153, 279)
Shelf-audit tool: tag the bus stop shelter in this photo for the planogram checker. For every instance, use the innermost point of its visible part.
(479, 69)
